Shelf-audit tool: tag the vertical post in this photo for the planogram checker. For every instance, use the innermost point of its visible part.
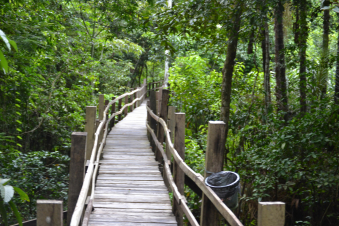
(101, 106)
(214, 163)
(148, 104)
(76, 170)
(271, 214)
(153, 108)
(132, 106)
(179, 175)
(91, 112)
(112, 112)
(135, 97)
(138, 95)
(101, 116)
(49, 212)
(126, 109)
(119, 108)
(171, 127)
(163, 115)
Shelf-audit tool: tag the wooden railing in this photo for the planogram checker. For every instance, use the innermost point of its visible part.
(166, 123)
(86, 194)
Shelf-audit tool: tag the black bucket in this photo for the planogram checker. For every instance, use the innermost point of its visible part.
(226, 184)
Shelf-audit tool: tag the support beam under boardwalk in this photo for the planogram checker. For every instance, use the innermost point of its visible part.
(130, 190)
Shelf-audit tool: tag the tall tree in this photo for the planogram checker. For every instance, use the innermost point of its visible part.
(323, 75)
(267, 78)
(227, 71)
(336, 89)
(280, 70)
(302, 54)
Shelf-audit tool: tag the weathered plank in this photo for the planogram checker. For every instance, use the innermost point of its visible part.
(129, 188)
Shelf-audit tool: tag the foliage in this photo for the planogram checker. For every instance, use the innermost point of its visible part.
(42, 174)
(197, 90)
(6, 194)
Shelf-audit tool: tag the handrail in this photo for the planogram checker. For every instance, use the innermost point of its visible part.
(176, 193)
(79, 208)
(196, 177)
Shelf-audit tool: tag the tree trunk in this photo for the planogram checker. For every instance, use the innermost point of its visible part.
(324, 62)
(336, 89)
(227, 71)
(250, 43)
(267, 76)
(280, 73)
(302, 54)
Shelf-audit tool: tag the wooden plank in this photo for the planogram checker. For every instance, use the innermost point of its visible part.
(127, 224)
(132, 211)
(110, 190)
(156, 206)
(131, 218)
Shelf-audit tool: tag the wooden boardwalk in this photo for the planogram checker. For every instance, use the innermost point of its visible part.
(130, 189)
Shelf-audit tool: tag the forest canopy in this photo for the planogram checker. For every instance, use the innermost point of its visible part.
(268, 68)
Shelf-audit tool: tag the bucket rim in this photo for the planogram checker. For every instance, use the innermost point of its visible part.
(229, 185)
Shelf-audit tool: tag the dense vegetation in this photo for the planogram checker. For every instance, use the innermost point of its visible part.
(268, 68)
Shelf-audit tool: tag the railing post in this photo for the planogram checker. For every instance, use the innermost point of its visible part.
(76, 171)
(49, 212)
(91, 112)
(148, 104)
(214, 163)
(132, 106)
(179, 175)
(153, 108)
(135, 97)
(163, 115)
(101, 106)
(171, 127)
(119, 108)
(271, 214)
(112, 112)
(126, 109)
(101, 116)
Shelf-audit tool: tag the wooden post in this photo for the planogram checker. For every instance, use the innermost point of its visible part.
(271, 214)
(91, 112)
(132, 106)
(171, 127)
(112, 112)
(135, 97)
(153, 108)
(101, 106)
(119, 108)
(49, 213)
(148, 104)
(76, 170)
(138, 95)
(163, 115)
(126, 109)
(179, 175)
(214, 163)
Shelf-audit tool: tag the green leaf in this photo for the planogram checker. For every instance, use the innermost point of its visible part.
(16, 212)
(3, 36)
(3, 62)
(13, 44)
(3, 212)
(23, 195)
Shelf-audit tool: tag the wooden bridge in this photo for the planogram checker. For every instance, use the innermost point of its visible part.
(120, 173)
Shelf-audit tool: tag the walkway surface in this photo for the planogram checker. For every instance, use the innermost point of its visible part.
(130, 189)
